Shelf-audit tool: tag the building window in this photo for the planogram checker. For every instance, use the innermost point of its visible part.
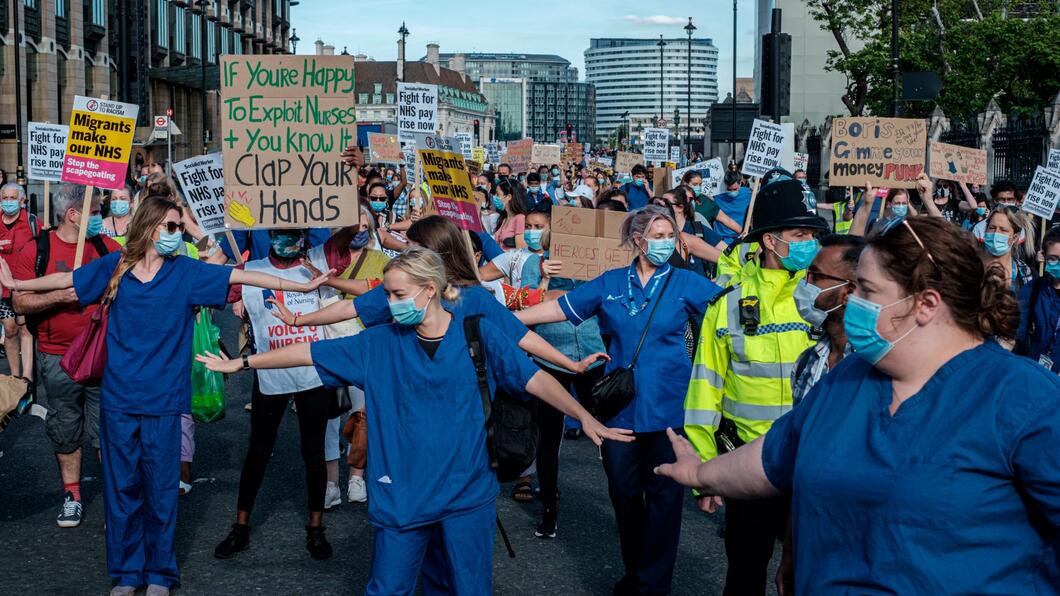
(60, 9)
(31, 4)
(195, 51)
(211, 42)
(376, 98)
(377, 88)
(390, 98)
(362, 98)
(179, 32)
(224, 40)
(99, 12)
(162, 23)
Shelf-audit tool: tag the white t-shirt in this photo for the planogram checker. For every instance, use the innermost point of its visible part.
(511, 263)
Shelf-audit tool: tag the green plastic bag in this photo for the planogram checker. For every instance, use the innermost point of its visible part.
(207, 387)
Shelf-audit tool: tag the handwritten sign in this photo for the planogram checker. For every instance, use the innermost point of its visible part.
(765, 148)
(587, 241)
(451, 195)
(465, 143)
(417, 109)
(99, 142)
(286, 119)
(478, 154)
(519, 153)
(624, 161)
(962, 164)
(884, 152)
(45, 151)
(712, 172)
(383, 148)
(493, 153)
(572, 155)
(1043, 194)
(544, 155)
(203, 180)
(802, 160)
(656, 144)
(1054, 160)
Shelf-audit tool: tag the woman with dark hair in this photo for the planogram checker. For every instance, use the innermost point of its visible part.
(509, 198)
(901, 458)
(1039, 333)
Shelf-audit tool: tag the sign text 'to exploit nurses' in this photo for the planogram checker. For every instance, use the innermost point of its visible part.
(99, 142)
(286, 120)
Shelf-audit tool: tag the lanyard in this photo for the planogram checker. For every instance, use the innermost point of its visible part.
(653, 285)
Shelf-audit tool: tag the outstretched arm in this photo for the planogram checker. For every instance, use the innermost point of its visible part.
(533, 343)
(546, 312)
(55, 281)
(272, 282)
(546, 388)
(286, 357)
(738, 474)
(342, 310)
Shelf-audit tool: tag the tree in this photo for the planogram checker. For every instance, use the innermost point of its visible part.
(981, 50)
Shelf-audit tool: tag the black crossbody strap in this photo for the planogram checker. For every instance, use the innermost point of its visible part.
(477, 351)
(658, 299)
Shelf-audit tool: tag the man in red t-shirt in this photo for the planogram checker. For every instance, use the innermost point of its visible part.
(73, 409)
(18, 229)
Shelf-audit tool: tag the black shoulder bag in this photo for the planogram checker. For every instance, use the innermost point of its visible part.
(616, 390)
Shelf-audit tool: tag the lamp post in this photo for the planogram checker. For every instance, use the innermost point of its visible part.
(661, 44)
(677, 129)
(732, 141)
(294, 39)
(202, 4)
(689, 28)
(20, 175)
(625, 123)
(894, 57)
(403, 32)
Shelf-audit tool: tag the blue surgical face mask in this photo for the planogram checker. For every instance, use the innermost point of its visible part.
(638, 182)
(601, 181)
(1053, 269)
(360, 240)
(996, 243)
(498, 204)
(168, 244)
(533, 239)
(860, 320)
(10, 206)
(733, 193)
(405, 312)
(377, 206)
(900, 210)
(980, 211)
(95, 225)
(286, 245)
(533, 189)
(659, 251)
(555, 173)
(559, 194)
(119, 207)
(800, 254)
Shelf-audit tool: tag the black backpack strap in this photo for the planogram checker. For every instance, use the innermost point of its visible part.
(100, 245)
(43, 252)
(477, 351)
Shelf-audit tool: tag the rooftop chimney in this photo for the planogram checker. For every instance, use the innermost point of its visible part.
(320, 46)
(432, 57)
(329, 50)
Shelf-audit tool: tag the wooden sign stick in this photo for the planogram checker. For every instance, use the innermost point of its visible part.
(86, 206)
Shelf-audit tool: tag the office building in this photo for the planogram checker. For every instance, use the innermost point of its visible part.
(626, 74)
(556, 107)
(533, 67)
(508, 98)
(155, 53)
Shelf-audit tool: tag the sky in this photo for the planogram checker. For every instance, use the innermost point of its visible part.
(562, 27)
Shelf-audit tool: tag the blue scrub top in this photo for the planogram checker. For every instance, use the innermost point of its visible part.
(663, 367)
(149, 331)
(636, 196)
(373, 309)
(490, 248)
(426, 428)
(736, 208)
(957, 492)
(260, 244)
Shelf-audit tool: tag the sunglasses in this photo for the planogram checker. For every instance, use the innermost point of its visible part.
(812, 275)
(173, 226)
(890, 224)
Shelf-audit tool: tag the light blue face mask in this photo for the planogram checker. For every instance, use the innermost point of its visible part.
(1053, 269)
(980, 211)
(95, 225)
(659, 251)
(996, 243)
(533, 239)
(860, 320)
(498, 204)
(119, 207)
(533, 189)
(405, 311)
(900, 210)
(168, 244)
(800, 254)
(10, 206)
(638, 182)
(377, 206)
(733, 193)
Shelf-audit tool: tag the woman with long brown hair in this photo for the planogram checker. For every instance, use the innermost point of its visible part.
(147, 380)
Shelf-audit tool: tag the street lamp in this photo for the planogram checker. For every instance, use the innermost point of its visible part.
(625, 123)
(202, 4)
(294, 39)
(894, 58)
(403, 32)
(20, 175)
(677, 128)
(732, 141)
(689, 28)
(661, 44)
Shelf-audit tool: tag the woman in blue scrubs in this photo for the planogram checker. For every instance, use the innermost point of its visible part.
(428, 473)
(647, 508)
(926, 463)
(144, 392)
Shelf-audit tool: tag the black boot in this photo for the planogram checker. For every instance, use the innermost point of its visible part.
(547, 528)
(318, 546)
(237, 541)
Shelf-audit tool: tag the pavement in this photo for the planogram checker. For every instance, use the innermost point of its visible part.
(41, 558)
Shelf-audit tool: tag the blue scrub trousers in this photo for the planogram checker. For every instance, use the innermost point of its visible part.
(456, 556)
(141, 477)
(647, 511)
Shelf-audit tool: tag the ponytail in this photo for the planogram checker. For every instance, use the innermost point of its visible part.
(450, 293)
(999, 312)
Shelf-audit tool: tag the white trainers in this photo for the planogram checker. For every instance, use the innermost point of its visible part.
(332, 497)
(356, 490)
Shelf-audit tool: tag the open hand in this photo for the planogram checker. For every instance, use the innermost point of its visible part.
(280, 311)
(316, 282)
(584, 364)
(597, 432)
(551, 268)
(218, 363)
(685, 470)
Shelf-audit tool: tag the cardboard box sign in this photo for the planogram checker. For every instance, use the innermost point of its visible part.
(587, 241)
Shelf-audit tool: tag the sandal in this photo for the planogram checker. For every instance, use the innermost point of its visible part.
(523, 492)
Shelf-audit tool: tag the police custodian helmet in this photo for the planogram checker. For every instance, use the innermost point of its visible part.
(783, 203)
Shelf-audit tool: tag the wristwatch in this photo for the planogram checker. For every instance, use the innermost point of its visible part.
(246, 362)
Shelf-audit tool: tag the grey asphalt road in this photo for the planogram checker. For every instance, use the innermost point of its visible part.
(41, 558)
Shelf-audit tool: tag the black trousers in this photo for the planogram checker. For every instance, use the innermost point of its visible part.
(550, 427)
(266, 412)
(751, 532)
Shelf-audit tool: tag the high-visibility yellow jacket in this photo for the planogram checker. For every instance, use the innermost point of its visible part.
(841, 226)
(741, 376)
(731, 262)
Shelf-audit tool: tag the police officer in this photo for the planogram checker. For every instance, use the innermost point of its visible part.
(741, 379)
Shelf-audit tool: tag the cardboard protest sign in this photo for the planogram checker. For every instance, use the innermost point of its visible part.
(572, 155)
(801, 162)
(884, 152)
(478, 154)
(602, 163)
(675, 154)
(203, 180)
(451, 195)
(1043, 194)
(662, 179)
(384, 148)
(519, 153)
(587, 241)
(953, 162)
(465, 143)
(493, 153)
(712, 172)
(656, 144)
(624, 161)
(1054, 160)
(474, 168)
(45, 151)
(99, 142)
(417, 109)
(545, 155)
(765, 148)
(286, 120)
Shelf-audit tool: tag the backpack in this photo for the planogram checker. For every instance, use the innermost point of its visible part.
(1022, 347)
(40, 265)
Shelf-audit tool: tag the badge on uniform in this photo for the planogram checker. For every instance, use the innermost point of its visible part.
(1046, 361)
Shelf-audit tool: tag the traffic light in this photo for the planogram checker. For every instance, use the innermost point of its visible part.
(476, 130)
(783, 68)
(570, 131)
